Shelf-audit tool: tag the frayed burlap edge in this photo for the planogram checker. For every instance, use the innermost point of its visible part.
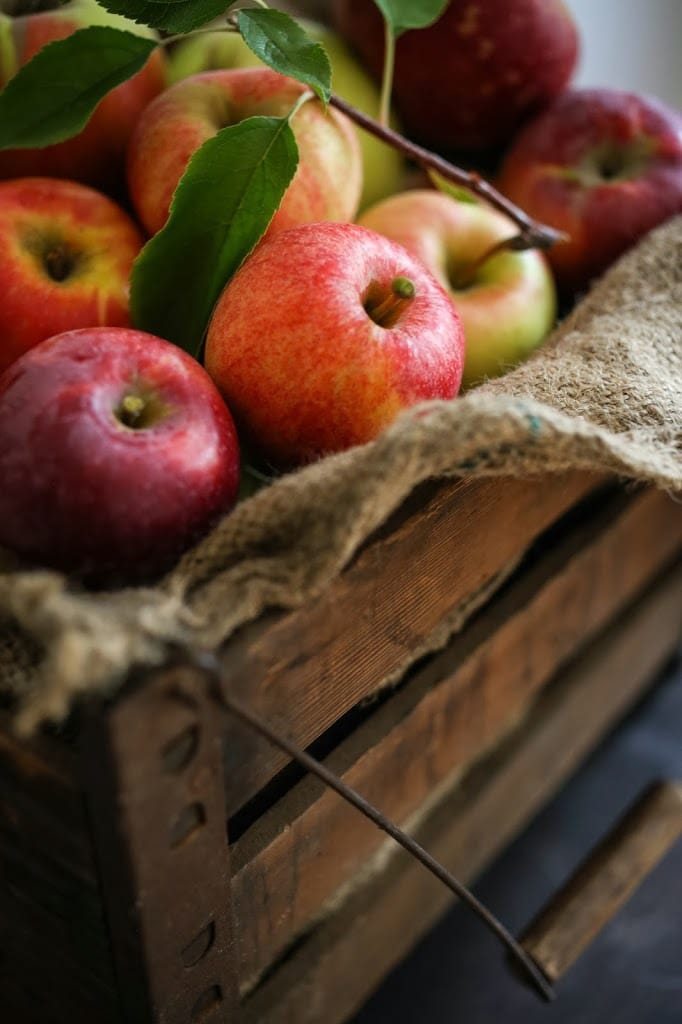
(605, 394)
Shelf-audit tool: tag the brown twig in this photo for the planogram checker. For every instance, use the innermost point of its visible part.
(533, 235)
(531, 972)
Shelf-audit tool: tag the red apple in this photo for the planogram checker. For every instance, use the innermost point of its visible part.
(506, 303)
(328, 180)
(382, 168)
(469, 80)
(602, 165)
(116, 451)
(325, 334)
(65, 258)
(97, 155)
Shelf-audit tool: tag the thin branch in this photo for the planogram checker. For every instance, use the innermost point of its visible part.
(530, 970)
(533, 235)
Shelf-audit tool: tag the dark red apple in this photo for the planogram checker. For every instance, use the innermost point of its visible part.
(116, 451)
(602, 165)
(468, 81)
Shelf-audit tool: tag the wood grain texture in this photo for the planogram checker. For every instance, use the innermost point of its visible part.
(153, 772)
(304, 670)
(606, 880)
(343, 960)
(292, 862)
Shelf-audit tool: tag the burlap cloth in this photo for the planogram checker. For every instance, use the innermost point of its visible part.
(605, 394)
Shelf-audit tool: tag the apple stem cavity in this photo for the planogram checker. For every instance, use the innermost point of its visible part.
(58, 264)
(532, 234)
(467, 275)
(385, 309)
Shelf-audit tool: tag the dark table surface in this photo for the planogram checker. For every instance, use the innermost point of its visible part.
(632, 974)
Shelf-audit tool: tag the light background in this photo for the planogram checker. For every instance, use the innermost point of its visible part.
(631, 44)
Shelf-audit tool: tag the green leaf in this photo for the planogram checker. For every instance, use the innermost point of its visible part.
(222, 206)
(283, 45)
(171, 16)
(402, 15)
(53, 96)
(176, 16)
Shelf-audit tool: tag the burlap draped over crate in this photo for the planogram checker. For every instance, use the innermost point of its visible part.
(605, 394)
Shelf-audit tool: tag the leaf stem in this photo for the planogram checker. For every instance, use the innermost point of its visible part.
(180, 36)
(532, 234)
(387, 76)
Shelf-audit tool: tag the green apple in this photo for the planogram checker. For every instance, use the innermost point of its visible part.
(507, 302)
(382, 165)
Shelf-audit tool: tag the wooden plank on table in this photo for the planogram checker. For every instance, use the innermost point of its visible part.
(294, 859)
(605, 880)
(303, 670)
(345, 958)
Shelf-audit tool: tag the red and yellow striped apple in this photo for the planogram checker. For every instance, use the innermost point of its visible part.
(325, 334)
(328, 180)
(382, 166)
(65, 257)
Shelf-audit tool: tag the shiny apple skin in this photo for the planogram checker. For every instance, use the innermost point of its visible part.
(96, 156)
(327, 183)
(469, 81)
(81, 491)
(39, 213)
(507, 306)
(303, 367)
(554, 171)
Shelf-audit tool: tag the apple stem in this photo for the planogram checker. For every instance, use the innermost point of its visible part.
(385, 313)
(131, 409)
(533, 235)
(466, 278)
(229, 26)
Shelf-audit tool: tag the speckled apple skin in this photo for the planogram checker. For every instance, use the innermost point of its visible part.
(602, 218)
(34, 306)
(82, 492)
(302, 366)
(96, 156)
(469, 80)
(510, 305)
(326, 185)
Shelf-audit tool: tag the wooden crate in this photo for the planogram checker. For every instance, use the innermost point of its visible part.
(161, 863)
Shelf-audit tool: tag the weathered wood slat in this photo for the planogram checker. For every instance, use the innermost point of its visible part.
(305, 669)
(153, 768)
(291, 863)
(605, 880)
(334, 971)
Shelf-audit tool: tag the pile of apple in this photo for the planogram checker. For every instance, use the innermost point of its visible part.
(117, 448)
